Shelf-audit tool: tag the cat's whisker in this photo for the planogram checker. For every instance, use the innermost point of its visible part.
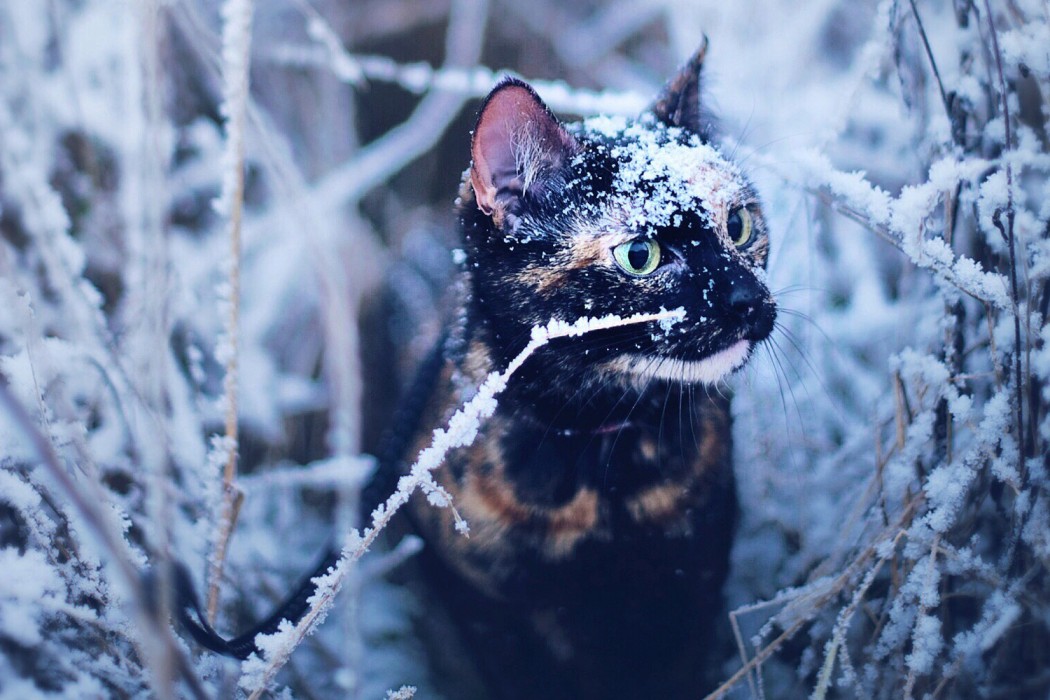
(804, 356)
(660, 429)
(642, 394)
(744, 130)
(778, 373)
(776, 353)
(786, 356)
(808, 319)
(795, 289)
(681, 398)
(619, 432)
(693, 418)
(595, 386)
(568, 402)
(757, 149)
(604, 383)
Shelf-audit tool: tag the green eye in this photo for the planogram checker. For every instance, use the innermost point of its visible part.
(739, 227)
(638, 257)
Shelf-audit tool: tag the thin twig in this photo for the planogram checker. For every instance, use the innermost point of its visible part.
(237, 18)
(466, 83)
(388, 154)
(909, 683)
(1008, 234)
(754, 678)
(933, 63)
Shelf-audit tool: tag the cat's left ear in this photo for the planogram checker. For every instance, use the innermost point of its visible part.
(517, 144)
(680, 103)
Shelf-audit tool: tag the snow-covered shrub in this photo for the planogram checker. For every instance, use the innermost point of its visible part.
(891, 444)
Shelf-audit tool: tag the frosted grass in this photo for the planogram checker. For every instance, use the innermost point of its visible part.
(894, 520)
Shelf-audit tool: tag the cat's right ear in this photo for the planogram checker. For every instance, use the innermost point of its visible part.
(517, 144)
(681, 102)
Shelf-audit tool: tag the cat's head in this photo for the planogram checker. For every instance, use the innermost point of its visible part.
(616, 216)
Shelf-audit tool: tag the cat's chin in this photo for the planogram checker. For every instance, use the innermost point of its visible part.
(709, 370)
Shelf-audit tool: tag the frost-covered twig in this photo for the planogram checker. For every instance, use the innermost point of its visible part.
(236, 54)
(933, 62)
(1007, 233)
(899, 220)
(919, 659)
(152, 632)
(90, 508)
(335, 473)
(806, 602)
(836, 646)
(421, 78)
(405, 142)
(462, 429)
(469, 83)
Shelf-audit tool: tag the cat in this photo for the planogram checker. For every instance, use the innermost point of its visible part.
(600, 496)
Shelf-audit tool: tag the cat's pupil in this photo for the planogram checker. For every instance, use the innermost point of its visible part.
(638, 255)
(735, 226)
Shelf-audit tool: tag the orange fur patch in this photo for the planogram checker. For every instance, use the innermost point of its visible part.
(659, 505)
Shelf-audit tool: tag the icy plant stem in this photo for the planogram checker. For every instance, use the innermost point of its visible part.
(377, 161)
(894, 532)
(153, 636)
(929, 55)
(1008, 234)
(754, 678)
(236, 46)
(462, 430)
(836, 646)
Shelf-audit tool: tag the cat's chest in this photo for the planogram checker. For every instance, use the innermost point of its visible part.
(545, 502)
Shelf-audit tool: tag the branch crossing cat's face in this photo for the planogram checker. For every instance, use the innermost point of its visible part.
(614, 216)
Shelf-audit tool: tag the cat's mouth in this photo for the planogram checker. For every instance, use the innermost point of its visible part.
(709, 370)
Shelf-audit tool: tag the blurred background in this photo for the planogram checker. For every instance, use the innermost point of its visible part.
(891, 439)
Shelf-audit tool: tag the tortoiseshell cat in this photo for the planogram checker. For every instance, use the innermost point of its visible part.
(600, 496)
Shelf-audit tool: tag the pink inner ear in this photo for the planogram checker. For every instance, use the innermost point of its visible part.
(512, 118)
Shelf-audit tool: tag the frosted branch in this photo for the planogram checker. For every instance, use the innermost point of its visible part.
(468, 83)
(155, 636)
(236, 56)
(462, 429)
(900, 221)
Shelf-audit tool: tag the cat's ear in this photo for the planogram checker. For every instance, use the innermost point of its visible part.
(680, 103)
(517, 144)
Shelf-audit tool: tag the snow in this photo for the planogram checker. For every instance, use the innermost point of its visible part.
(29, 587)
(926, 644)
(880, 471)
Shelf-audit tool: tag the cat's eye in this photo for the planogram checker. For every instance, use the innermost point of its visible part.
(739, 227)
(638, 257)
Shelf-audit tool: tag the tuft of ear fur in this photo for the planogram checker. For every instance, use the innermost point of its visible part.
(517, 142)
(680, 102)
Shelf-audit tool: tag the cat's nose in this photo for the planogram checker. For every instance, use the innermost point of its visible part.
(749, 303)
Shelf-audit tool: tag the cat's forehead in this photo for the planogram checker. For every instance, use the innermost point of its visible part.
(657, 172)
